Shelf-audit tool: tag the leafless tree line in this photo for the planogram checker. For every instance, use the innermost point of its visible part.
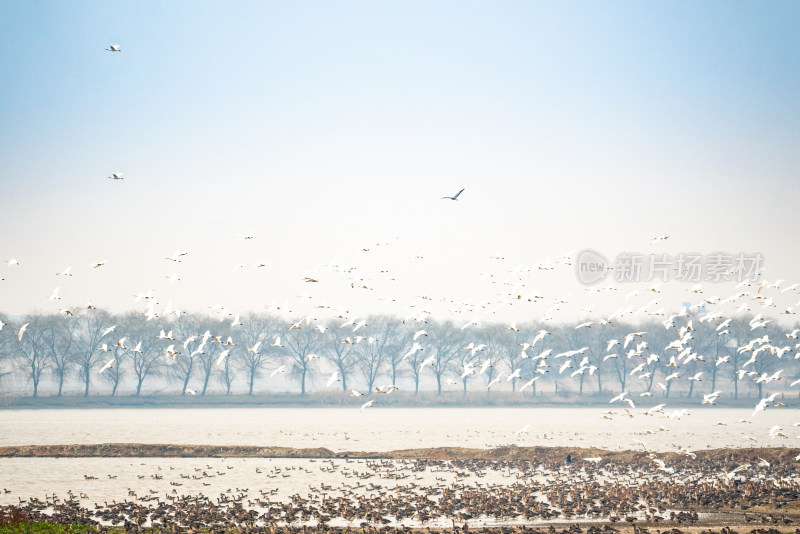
(102, 353)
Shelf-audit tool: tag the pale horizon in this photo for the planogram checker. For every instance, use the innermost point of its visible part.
(569, 126)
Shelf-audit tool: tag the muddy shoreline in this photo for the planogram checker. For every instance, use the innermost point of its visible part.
(146, 450)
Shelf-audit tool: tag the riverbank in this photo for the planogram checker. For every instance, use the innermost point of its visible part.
(777, 455)
(447, 399)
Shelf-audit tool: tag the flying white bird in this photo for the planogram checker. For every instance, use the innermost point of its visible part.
(663, 467)
(775, 432)
(762, 404)
(539, 336)
(454, 197)
(333, 378)
(416, 347)
(108, 331)
(495, 381)
(529, 383)
(221, 359)
(620, 397)
(176, 256)
(428, 361)
(468, 370)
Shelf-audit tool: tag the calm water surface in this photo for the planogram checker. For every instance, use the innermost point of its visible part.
(382, 429)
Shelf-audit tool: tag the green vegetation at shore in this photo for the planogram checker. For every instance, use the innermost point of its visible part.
(25, 527)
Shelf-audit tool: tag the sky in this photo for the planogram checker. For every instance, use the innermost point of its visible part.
(326, 128)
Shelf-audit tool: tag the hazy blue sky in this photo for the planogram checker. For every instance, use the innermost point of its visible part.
(326, 127)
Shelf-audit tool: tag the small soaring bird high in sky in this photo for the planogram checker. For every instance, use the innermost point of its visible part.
(454, 197)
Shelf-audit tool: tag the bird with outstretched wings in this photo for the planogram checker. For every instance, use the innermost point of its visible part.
(454, 197)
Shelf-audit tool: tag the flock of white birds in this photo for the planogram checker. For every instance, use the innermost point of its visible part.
(761, 298)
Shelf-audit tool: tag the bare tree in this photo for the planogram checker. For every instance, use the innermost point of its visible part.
(381, 348)
(414, 360)
(658, 339)
(509, 349)
(765, 359)
(495, 349)
(254, 332)
(91, 324)
(739, 336)
(340, 354)
(116, 370)
(213, 351)
(150, 358)
(195, 343)
(596, 339)
(622, 362)
(467, 357)
(227, 375)
(59, 334)
(7, 367)
(715, 348)
(31, 348)
(394, 337)
(445, 344)
(576, 341)
(301, 345)
(208, 359)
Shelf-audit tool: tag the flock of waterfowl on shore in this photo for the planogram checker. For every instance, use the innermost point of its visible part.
(467, 493)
